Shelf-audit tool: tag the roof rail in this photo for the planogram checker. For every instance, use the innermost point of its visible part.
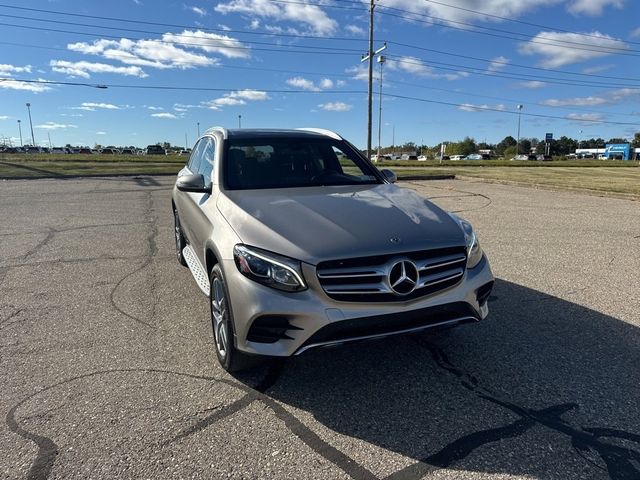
(322, 131)
(217, 129)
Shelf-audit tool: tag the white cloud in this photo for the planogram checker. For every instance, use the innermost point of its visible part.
(101, 133)
(92, 106)
(498, 63)
(54, 126)
(504, 8)
(586, 117)
(470, 107)
(336, 106)
(210, 42)
(151, 107)
(326, 83)
(608, 97)
(533, 84)
(27, 86)
(308, 14)
(199, 11)
(4, 117)
(7, 70)
(148, 53)
(557, 54)
(164, 115)
(355, 30)
(303, 83)
(224, 27)
(635, 33)
(414, 66)
(82, 69)
(575, 102)
(593, 7)
(597, 69)
(238, 97)
(359, 72)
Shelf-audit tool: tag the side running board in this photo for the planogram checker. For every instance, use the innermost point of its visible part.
(198, 272)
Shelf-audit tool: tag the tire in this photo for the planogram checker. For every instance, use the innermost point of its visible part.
(181, 242)
(230, 358)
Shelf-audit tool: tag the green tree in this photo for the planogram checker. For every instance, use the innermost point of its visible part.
(506, 142)
(635, 143)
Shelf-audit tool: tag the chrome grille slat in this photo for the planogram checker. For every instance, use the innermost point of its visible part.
(365, 279)
(440, 279)
(429, 265)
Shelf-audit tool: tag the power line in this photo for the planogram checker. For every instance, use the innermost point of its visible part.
(286, 91)
(319, 51)
(516, 76)
(174, 25)
(274, 34)
(521, 22)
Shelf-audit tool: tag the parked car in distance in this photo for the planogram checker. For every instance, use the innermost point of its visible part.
(108, 151)
(521, 157)
(59, 150)
(456, 157)
(127, 151)
(300, 242)
(474, 156)
(422, 158)
(544, 158)
(155, 150)
(184, 153)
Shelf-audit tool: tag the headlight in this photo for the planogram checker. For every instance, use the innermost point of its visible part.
(474, 252)
(269, 268)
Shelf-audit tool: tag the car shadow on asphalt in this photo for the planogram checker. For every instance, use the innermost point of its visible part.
(544, 387)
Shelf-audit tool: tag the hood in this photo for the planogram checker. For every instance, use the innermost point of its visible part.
(328, 223)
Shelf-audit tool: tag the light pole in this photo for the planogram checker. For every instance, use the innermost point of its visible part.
(20, 130)
(519, 107)
(239, 121)
(198, 129)
(381, 60)
(33, 140)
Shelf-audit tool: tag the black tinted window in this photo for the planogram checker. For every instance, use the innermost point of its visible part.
(282, 162)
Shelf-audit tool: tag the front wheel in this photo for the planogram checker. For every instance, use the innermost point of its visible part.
(230, 358)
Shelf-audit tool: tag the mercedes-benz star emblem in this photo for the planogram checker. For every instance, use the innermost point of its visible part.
(403, 277)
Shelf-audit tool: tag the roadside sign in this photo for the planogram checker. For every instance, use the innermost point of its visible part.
(548, 137)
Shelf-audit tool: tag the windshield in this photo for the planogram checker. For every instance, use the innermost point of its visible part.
(282, 162)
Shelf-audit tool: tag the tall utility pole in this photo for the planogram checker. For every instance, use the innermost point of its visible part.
(239, 121)
(369, 57)
(198, 129)
(381, 60)
(33, 139)
(519, 107)
(20, 130)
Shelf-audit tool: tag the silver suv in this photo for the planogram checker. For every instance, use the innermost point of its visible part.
(300, 242)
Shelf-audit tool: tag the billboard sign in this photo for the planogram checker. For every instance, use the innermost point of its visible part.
(617, 150)
(548, 137)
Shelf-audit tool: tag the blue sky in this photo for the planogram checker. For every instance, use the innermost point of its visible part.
(462, 67)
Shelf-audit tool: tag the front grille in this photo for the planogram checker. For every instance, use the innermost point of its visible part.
(366, 279)
(391, 324)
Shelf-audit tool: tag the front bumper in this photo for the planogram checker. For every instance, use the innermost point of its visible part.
(275, 323)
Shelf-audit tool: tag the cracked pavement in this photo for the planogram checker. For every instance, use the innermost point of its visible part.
(108, 370)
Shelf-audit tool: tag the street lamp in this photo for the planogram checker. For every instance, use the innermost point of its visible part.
(20, 130)
(519, 107)
(198, 129)
(33, 140)
(381, 60)
(239, 121)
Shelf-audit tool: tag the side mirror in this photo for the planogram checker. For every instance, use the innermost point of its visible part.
(192, 183)
(390, 175)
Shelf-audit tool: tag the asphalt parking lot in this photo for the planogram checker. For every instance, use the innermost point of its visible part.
(108, 371)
